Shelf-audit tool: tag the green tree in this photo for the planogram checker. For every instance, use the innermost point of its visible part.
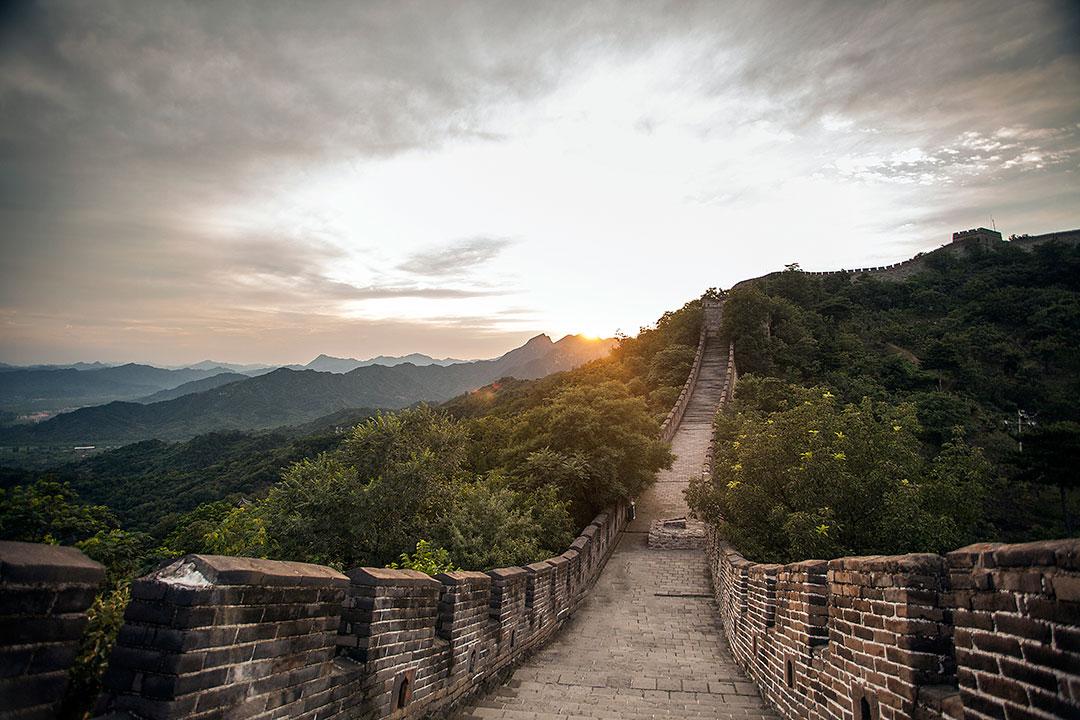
(802, 475)
(604, 429)
(1051, 456)
(670, 366)
(50, 512)
(488, 524)
(190, 530)
(426, 558)
(397, 480)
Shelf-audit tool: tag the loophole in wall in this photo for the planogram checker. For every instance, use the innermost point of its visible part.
(401, 695)
(864, 703)
(474, 654)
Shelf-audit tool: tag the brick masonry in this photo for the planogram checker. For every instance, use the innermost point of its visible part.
(987, 631)
(213, 636)
(45, 592)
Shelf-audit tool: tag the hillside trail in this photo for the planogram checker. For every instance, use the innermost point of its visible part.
(647, 641)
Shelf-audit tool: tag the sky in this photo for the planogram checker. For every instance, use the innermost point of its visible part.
(267, 181)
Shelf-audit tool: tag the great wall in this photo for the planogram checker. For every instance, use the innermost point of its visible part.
(630, 622)
(960, 243)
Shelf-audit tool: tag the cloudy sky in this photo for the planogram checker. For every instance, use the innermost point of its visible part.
(262, 182)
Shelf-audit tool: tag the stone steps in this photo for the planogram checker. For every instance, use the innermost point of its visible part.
(710, 384)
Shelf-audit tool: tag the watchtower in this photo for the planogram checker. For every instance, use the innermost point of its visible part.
(978, 236)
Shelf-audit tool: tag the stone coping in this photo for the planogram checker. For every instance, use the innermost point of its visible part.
(34, 563)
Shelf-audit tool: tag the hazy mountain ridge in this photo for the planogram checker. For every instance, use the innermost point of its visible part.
(49, 388)
(288, 397)
(96, 365)
(329, 363)
(242, 369)
(56, 388)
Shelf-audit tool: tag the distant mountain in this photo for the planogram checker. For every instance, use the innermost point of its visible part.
(208, 383)
(44, 389)
(291, 397)
(544, 359)
(250, 369)
(4, 367)
(328, 363)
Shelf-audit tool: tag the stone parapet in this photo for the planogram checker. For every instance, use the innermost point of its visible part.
(1016, 620)
(210, 636)
(45, 591)
(988, 631)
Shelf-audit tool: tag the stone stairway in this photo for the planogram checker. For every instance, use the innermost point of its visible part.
(710, 383)
(647, 642)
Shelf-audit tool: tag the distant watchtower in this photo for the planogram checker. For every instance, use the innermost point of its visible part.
(978, 236)
(713, 313)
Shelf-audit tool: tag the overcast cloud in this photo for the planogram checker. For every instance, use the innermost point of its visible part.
(267, 181)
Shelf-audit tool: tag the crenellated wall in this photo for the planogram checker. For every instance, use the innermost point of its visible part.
(987, 631)
(726, 397)
(906, 268)
(711, 315)
(214, 636)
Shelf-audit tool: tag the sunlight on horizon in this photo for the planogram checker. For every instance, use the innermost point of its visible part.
(560, 174)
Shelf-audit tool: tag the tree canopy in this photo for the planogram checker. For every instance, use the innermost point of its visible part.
(953, 355)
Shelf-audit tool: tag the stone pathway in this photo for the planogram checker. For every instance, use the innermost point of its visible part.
(647, 642)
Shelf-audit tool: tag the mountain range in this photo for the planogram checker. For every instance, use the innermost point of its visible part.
(53, 388)
(36, 391)
(328, 363)
(287, 397)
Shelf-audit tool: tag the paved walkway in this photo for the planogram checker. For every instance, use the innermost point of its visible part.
(647, 642)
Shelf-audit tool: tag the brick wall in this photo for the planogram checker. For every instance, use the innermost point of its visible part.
(1017, 628)
(44, 594)
(211, 636)
(989, 631)
(207, 636)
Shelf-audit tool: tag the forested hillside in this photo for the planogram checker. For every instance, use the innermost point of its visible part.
(888, 416)
(149, 483)
(870, 416)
